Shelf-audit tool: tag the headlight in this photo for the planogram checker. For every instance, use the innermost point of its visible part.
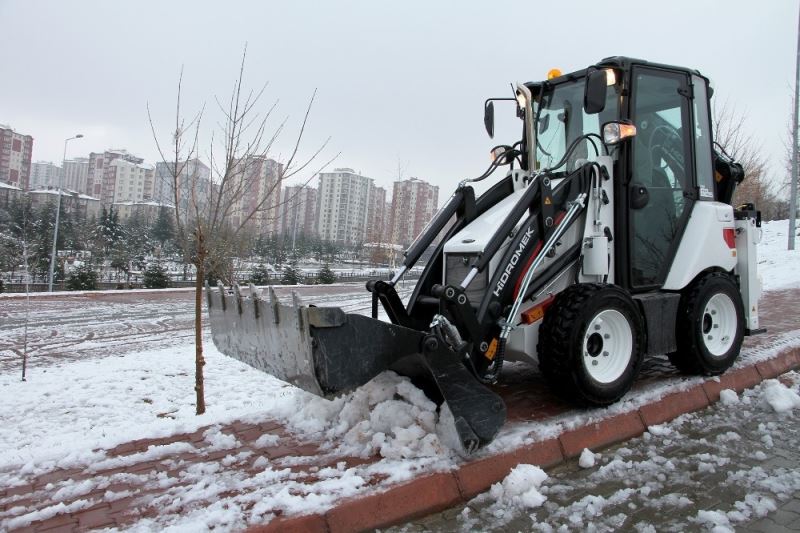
(614, 132)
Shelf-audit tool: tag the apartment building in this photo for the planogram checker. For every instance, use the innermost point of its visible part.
(255, 189)
(298, 211)
(376, 228)
(15, 157)
(75, 173)
(193, 182)
(126, 181)
(8, 194)
(101, 175)
(44, 174)
(147, 211)
(414, 203)
(71, 202)
(348, 206)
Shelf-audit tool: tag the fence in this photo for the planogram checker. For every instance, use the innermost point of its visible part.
(111, 282)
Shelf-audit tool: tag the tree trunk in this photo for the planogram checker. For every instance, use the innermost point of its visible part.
(199, 360)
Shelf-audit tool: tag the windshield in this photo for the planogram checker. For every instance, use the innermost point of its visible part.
(562, 120)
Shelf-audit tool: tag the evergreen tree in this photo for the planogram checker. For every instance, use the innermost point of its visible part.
(326, 276)
(291, 274)
(164, 228)
(260, 275)
(82, 279)
(156, 277)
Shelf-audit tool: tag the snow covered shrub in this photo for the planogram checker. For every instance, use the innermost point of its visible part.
(156, 277)
(82, 278)
(291, 275)
(326, 276)
(260, 275)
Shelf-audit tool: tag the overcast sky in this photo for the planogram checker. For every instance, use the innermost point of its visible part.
(400, 84)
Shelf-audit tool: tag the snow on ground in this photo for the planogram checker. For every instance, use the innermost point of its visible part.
(703, 471)
(66, 414)
(778, 267)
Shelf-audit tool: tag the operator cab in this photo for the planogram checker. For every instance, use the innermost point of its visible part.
(665, 165)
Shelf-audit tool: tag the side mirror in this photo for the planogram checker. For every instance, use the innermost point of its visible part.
(488, 118)
(594, 97)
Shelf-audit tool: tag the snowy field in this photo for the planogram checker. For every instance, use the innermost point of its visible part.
(70, 410)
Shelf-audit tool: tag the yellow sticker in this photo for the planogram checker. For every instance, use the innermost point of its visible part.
(491, 350)
(547, 200)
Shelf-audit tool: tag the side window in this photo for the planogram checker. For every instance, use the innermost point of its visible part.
(702, 139)
(663, 167)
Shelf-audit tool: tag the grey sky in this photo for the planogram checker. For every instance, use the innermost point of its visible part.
(397, 81)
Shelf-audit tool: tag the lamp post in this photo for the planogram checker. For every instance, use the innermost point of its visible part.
(58, 212)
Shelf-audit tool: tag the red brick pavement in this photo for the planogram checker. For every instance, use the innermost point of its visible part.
(527, 399)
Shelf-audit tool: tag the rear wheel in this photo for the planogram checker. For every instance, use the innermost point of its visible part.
(709, 326)
(590, 343)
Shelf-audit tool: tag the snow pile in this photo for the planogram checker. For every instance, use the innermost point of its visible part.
(388, 416)
(587, 459)
(728, 397)
(520, 488)
(779, 396)
(778, 266)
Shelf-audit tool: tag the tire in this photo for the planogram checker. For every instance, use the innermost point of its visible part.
(709, 326)
(590, 343)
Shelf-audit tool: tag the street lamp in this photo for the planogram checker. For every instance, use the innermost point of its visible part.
(58, 212)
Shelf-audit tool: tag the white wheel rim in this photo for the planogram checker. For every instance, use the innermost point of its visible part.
(718, 324)
(607, 346)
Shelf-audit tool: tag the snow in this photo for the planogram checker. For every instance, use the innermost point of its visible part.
(728, 397)
(778, 267)
(779, 396)
(97, 403)
(587, 459)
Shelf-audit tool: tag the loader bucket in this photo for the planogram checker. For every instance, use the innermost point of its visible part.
(327, 352)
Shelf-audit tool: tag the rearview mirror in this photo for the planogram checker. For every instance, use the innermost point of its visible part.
(594, 97)
(488, 118)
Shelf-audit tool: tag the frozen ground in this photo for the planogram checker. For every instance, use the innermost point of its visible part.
(731, 466)
(779, 268)
(107, 371)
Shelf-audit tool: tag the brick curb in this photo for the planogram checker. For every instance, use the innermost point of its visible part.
(436, 492)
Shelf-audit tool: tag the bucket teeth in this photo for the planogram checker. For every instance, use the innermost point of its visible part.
(237, 293)
(222, 295)
(273, 302)
(255, 296)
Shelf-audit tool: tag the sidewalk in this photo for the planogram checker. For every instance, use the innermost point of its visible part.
(233, 465)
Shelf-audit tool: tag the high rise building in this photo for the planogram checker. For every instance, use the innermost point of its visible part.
(345, 206)
(15, 157)
(255, 186)
(414, 203)
(298, 210)
(44, 174)
(193, 181)
(126, 181)
(75, 173)
(376, 230)
(100, 175)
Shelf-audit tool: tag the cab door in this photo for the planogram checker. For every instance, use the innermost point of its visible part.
(660, 190)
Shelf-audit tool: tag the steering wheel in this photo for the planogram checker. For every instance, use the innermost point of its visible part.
(670, 149)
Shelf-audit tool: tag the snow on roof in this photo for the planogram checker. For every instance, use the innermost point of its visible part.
(66, 192)
(148, 202)
(4, 185)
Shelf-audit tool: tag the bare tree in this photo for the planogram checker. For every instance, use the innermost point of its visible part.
(241, 193)
(731, 132)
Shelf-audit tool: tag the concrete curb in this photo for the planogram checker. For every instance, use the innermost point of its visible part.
(436, 492)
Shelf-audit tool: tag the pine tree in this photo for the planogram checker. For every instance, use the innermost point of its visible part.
(260, 275)
(156, 277)
(163, 228)
(82, 279)
(291, 275)
(326, 276)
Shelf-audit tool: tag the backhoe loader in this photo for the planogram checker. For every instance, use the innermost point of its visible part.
(610, 237)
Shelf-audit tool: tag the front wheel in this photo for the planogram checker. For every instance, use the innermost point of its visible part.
(709, 326)
(590, 343)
